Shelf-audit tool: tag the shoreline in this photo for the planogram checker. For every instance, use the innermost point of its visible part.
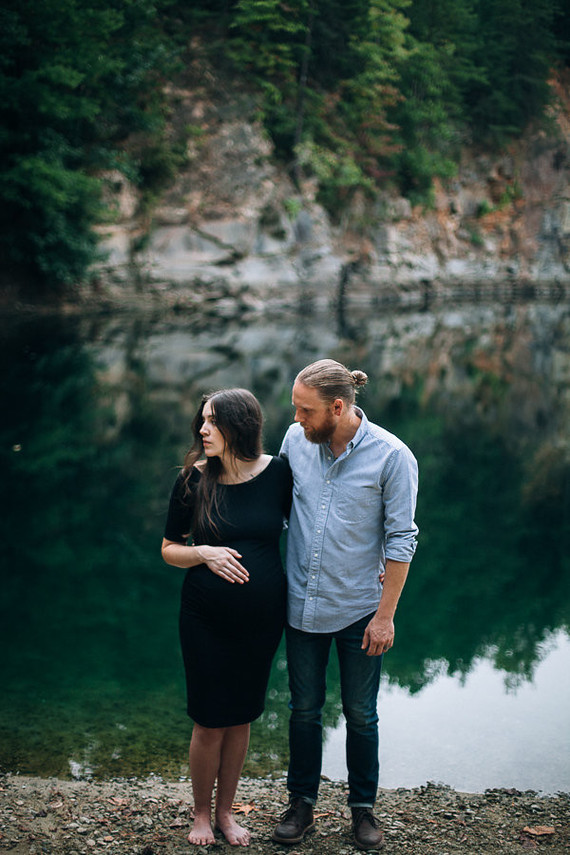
(151, 816)
(226, 301)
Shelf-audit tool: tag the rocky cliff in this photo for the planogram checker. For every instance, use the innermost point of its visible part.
(234, 226)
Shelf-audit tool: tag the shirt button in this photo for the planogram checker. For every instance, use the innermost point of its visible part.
(323, 507)
(318, 531)
(328, 481)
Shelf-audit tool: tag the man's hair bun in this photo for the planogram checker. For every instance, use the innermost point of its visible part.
(359, 378)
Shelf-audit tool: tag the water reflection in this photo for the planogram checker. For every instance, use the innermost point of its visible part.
(471, 734)
(97, 422)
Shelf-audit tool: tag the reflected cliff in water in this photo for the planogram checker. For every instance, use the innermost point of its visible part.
(96, 421)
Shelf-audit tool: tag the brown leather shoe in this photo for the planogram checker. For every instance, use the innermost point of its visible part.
(295, 822)
(367, 834)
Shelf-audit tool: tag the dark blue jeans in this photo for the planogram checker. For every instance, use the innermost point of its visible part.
(307, 658)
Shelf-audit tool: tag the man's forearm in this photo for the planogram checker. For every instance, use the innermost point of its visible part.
(394, 581)
(379, 634)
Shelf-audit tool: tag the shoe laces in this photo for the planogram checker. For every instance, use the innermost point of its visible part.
(363, 813)
(293, 807)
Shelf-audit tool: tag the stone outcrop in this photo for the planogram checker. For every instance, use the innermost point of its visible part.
(233, 220)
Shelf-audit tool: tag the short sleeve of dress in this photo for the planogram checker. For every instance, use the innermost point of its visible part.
(181, 509)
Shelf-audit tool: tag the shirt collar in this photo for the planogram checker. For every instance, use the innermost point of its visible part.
(358, 436)
(360, 433)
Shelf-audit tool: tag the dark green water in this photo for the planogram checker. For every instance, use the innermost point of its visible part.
(95, 419)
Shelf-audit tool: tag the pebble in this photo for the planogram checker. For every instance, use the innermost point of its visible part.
(153, 818)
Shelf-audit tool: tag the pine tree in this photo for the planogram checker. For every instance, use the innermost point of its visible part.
(76, 77)
(517, 50)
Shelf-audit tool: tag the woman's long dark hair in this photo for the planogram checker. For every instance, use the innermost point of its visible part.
(240, 421)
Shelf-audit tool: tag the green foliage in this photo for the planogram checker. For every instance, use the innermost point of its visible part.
(417, 167)
(293, 206)
(511, 193)
(517, 48)
(53, 207)
(429, 116)
(326, 71)
(392, 94)
(338, 175)
(483, 208)
(356, 92)
(267, 40)
(159, 162)
(267, 37)
(371, 90)
(76, 78)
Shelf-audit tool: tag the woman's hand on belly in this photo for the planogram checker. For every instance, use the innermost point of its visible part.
(223, 561)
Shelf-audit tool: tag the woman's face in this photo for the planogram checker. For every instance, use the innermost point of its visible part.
(212, 438)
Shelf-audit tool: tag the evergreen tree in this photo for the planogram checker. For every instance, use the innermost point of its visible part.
(328, 71)
(517, 51)
(441, 44)
(76, 77)
(268, 39)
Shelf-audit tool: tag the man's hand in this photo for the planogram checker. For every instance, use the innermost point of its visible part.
(378, 636)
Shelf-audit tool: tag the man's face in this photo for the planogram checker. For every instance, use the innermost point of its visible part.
(313, 414)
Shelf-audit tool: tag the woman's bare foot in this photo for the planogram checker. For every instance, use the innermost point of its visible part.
(235, 834)
(202, 833)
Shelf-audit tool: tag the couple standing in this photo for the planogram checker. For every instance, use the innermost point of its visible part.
(349, 489)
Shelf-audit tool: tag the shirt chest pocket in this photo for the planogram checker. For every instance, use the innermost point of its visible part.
(358, 504)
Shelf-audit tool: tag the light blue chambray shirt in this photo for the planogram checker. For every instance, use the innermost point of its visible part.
(348, 516)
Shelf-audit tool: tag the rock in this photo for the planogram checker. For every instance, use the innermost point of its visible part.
(139, 816)
(233, 211)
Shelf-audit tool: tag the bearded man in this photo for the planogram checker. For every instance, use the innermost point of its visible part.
(351, 539)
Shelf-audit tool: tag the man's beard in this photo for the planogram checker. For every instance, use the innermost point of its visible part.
(321, 434)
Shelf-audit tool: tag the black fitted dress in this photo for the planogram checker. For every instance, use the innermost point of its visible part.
(229, 632)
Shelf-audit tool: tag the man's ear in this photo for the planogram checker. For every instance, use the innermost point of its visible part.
(338, 406)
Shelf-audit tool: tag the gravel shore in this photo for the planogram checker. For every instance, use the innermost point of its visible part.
(147, 817)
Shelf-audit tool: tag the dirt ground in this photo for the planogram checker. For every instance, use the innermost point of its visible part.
(152, 817)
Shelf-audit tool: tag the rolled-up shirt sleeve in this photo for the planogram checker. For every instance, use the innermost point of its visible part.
(400, 488)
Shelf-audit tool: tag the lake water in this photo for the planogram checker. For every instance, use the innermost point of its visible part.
(475, 733)
(95, 421)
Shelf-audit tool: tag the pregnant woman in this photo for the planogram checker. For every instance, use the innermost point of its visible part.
(224, 524)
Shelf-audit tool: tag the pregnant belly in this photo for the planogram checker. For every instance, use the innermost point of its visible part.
(254, 607)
